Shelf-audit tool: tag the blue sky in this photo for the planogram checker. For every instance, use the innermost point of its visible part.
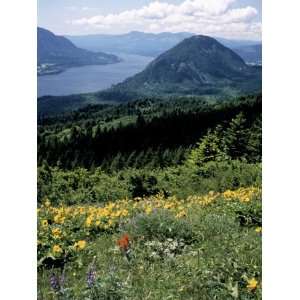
(238, 19)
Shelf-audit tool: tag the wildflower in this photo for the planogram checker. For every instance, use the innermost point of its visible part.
(59, 219)
(88, 221)
(54, 282)
(44, 223)
(181, 214)
(252, 284)
(124, 212)
(123, 242)
(148, 210)
(80, 245)
(258, 229)
(57, 249)
(56, 232)
(91, 275)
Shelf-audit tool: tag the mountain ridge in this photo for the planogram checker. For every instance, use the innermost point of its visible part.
(56, 53)
(198, 66)
(143, 43)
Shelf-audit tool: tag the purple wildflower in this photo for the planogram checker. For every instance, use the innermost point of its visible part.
(54, 282)
(91, 275)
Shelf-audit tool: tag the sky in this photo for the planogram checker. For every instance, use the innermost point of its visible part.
(235, 19)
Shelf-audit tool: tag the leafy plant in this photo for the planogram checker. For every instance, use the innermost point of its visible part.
(160, 225)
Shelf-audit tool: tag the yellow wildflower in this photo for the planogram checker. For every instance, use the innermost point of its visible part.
(59, 219)
(252, 284)
(44, 223)
(124, 212)
(57, 249)
(80, 245)
(148, 210)
(88, 221)
(181, 214)
(56, 232)
(258, 229)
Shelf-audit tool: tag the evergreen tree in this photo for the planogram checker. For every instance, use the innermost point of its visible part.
(254, 145)
(236, 137)
(210, 148)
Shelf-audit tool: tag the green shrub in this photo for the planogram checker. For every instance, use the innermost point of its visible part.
(249, 215)
(160, 225)
(95, 186)
(143, 185)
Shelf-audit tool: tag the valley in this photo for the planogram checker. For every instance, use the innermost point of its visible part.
(149, 174)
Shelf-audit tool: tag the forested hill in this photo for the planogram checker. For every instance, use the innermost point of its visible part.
(150, 133)
(58, 53)
(199, 65)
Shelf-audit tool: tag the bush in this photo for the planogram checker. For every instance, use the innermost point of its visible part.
(143, 185)
(83, 186)
(160, 225)
(212, 176)
(249, 215)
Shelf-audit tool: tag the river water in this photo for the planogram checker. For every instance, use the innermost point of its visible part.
(91, 78)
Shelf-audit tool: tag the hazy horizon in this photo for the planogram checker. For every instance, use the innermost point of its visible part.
(132, 31)
(230, 19)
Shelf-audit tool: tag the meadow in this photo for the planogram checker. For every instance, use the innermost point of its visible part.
(157, 247)
(151, 199)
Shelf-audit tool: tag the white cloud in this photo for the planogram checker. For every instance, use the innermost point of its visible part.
(212, 17)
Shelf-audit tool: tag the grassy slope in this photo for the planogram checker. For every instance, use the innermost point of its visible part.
(223, 254)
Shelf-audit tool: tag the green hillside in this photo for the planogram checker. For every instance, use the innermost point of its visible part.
(197, 66)
(56, 53)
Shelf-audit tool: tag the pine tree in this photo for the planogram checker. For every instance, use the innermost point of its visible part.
(210, 148)
(236, 137)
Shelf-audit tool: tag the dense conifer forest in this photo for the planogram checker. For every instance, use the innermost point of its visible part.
(135, 148)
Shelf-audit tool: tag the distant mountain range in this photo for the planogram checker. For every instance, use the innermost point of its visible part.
(135, 42)
(198, 65)
(150, 44)
(252, 54)
(56, 53)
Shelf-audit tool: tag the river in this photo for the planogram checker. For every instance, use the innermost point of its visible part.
(91, 78)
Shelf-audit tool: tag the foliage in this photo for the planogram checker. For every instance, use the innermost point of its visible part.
(155, 134)
(210, 148)
(155, 199)
(222, 262)
(142, 185)
(161, 225)
(67, 230)
(96, 186)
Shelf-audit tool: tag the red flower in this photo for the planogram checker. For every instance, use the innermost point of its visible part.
(123, 242)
